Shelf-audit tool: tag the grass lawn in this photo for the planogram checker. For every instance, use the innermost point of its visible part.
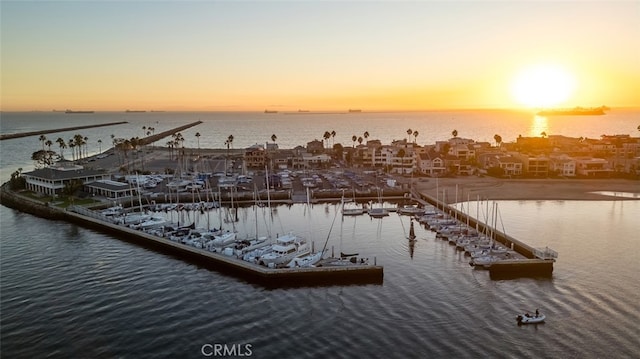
(59, 201)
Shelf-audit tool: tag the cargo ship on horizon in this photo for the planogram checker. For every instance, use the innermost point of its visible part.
(576, 111)
(71, 111)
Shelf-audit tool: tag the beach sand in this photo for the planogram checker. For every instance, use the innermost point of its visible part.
(528, 189)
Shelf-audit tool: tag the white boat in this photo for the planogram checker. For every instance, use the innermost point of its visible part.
(309, 260)
(133, 218)
(378, 212)
(530, 319)
(113, 211)
(411, 210)
(222, 239)
(352, 211)
(151, 223)
(286, 248)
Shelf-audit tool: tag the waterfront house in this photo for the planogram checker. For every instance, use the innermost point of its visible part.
(563, 166)
(592, 167)
(430, 163)
(255, 156)
(536, 166)
(510, 165)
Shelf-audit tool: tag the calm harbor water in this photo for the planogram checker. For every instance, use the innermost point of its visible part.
(67, 291)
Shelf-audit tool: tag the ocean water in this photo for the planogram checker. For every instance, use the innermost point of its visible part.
(67, 291)
(295, 129)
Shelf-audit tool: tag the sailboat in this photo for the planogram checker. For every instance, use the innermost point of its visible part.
(351, 211)
(381, 211)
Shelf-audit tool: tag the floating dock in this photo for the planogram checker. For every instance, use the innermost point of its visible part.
(536, 262)
(269, 277)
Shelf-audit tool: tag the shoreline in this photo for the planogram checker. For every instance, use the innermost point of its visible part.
(529, 189)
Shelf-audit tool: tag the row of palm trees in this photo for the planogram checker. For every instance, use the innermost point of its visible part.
(78, 145)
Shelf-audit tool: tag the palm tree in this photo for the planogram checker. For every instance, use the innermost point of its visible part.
(62, 145)
(326, 136)
(354, 138)
(99, 146)
(228, 142)
(543, 134)
(409, 132)
(153, 132)
(454, 133)
(170, 146)
(77, 141)
(198, 138)
(366, 134)
(498, 139)
(415, 136)
(360, 140)
(177, 141)
(85, 142)
(333, 136)
(42, 138)
(71, 147)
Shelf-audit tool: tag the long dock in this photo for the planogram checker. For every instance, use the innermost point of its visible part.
(44, 132)
(536, 262)
(269, 277)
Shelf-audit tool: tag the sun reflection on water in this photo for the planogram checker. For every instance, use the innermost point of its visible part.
(539, 126)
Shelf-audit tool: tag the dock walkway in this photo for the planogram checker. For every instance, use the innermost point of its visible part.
(270, 277)
(535, 262)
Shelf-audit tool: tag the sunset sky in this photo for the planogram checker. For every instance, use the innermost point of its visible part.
(388, 55)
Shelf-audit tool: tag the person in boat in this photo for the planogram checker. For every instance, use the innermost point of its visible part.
(527, 315)
(537, 313)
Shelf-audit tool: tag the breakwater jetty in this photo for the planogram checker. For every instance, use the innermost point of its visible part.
(44, 132)
(163, 134)
(536, 262)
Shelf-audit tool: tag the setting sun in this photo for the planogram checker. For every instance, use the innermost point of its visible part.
(543, 86)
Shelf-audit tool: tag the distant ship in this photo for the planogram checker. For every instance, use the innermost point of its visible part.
(354, 110)
(134, 111)
(270, 111)
(71, 111)
(576, 111)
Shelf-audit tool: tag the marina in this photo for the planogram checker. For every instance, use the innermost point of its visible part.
(105, 282)
(287, 259)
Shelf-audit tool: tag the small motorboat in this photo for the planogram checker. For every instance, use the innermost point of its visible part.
(530, 319)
